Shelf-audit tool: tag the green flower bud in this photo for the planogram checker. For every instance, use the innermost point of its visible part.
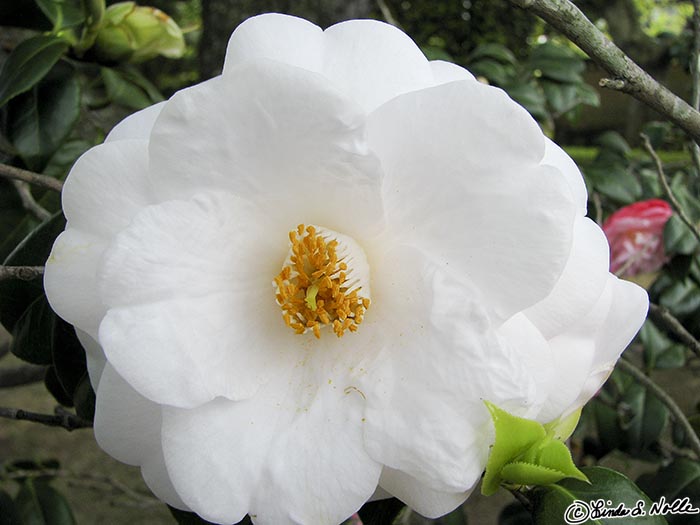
(133, 33)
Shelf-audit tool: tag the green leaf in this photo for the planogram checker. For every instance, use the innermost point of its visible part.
(31, 338)
(68, 356)
(531, 97)
(128, 89)
(190, 518)
(515, 514)
(84, 399)
(17, 295)
(40, 504)
(39, 121)
(560, 97)
(680, 479)
(8, 511)
(557, 63)
(28, 63)
(550, 503)
(514, 436)
(382, 512)
(614, 181)
(494, 71)
(678, 238)
(659, 350)
(492, 51)
(55, 388)
(64, 14)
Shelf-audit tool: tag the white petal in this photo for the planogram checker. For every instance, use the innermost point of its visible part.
(107, 186)
(579, 287)
(70, 279)
(128, 427)
(469, 189)
(444, 72)
(137, 125)
(274, 134)
(372, 62)
(420, 497)
(96, 360)
(441, 360)
(284, 38)
(557, 157)
(291, 454)
(191, 302)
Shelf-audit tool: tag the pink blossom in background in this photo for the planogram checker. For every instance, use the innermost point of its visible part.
(635, 234)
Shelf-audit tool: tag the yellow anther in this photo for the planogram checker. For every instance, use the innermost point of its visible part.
(313, 288)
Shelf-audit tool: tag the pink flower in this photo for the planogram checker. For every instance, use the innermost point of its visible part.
(635, 234)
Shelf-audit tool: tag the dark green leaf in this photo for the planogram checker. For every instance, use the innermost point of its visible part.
(494, 71)
(63, 13)
(551, 502)
(382, 512)
(190, 518)
(678, 238)
(680, 479)
(68, 356)
(515, 514)
(613, 141)
(55, 388)
(614, 181)
(40, 504)
(659, 350)
(648, 418)
(531, 97)
(492, 51)
(28, 63)
(436, 53)
(31, 339)
(8, 511)
(557, 63)
(682, 298)
(39, 121)
(15, 295)
(84, 399)
(125, 90)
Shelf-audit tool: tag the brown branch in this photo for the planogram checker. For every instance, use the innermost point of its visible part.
(626, 75)
(667, 400)
(24, 273)
(663, 317)
(28, 202)
(21, 375)
(13, 173)
(60, 419)
(667, 187)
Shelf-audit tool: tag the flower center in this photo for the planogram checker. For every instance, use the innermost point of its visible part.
(324, 282)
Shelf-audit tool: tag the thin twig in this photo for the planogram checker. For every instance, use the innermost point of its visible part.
(667, 400)
(387, 14)
(522, 498)
(11, 172)
(28, 202)
(625, 74)
(667, 188)
(663, 317)
(695, 72)
(21, 375)
(65, 419)
(24, 273)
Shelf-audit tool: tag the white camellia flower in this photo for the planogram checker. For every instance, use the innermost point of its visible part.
(298, 282)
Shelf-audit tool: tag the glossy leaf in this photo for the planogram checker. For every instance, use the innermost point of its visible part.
(493, 51)
(557, 63)
(39, 121)
(40, 504)
(55, 388)
(31, 338)
(659, 350)
(28, 63)
(678, 238)
(550, 503)
(680, 479)
(8, 511)
(84, 399)
(382, 512)
(515, 514)
(128, 89)
(17, 295)
(68, 356)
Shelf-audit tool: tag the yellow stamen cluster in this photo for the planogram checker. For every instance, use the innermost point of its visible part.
(313, 288)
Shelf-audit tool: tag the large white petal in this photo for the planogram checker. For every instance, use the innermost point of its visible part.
(557, 157)
(293, 453)
(192, 313)
(274, 36)
(96, 360)
(128, 427)
(442, 358)
(70, 279)
(420, 497)
(464, 186)
(137, 125)
(107, 186)
(368, 61)
(579, 287)
(275, 134)
(444, 72)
